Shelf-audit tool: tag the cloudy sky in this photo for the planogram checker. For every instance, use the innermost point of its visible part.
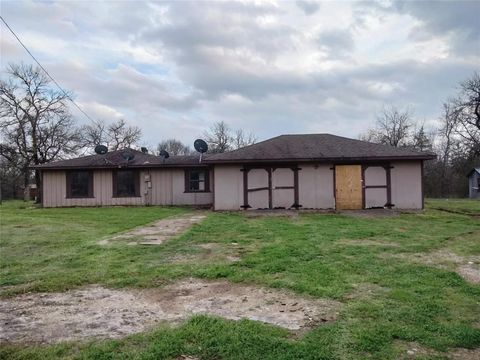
(269, 67)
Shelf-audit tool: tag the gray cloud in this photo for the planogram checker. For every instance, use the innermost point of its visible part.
(457, 19)
(174, 68)
(338, 43)
(309, 7)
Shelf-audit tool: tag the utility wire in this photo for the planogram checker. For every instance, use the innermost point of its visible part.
(45, 70)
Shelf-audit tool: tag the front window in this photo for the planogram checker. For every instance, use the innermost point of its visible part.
(79, 184)
(196, 180)
(126, 183)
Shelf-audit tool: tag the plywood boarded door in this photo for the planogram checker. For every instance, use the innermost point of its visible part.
(348, 187)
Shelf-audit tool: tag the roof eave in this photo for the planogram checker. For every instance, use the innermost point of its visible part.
(143, 166)
(324, 160)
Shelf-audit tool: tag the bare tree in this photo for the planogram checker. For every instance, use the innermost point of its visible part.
(116, 135)
(447, 142)
(240, 139)
(219, 137)
(393, 126)
(174, 147)
(467, 108)
(34, 119)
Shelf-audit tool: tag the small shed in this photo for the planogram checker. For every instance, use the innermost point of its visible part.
(30, 192)
(474, 183)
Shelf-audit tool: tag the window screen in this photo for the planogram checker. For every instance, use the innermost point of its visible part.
(196, 181)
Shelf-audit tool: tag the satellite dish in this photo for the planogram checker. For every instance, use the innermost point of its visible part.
(144, 150)
(164, 154)
(200, 145)
(101, 149)
(128, 155)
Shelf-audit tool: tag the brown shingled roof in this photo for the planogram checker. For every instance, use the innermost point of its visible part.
(317, 147)
(114, 159)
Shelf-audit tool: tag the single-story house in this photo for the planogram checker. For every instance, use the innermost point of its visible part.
(474, 183)
(312, 171)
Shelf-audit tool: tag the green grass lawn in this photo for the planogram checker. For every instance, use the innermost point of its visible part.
(322, 255)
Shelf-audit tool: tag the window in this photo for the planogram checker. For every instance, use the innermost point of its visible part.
(79, 184)
(196, 180)
(126, 183)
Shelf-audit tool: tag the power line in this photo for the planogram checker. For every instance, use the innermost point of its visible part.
(45, 70)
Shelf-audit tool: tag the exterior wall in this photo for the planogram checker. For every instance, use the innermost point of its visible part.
(316, 186)
(473, 185)
(282, 198)
(406, 180)
(55, 191)
(228, 187)
(167, 188)
(375, 176)
(258, 178)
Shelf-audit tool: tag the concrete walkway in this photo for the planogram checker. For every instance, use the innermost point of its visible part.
(158, 232)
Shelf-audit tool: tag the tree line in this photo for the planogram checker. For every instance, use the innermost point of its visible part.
(455, 141)
(36, 127)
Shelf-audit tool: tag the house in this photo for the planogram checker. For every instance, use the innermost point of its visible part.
(474, 183)
(312, 171)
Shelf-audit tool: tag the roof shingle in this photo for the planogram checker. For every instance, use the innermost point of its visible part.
(308, 147)
(316, 147)
(115, 159)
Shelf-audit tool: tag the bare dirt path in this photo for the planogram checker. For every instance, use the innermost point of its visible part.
(159, 231)
(97, 312)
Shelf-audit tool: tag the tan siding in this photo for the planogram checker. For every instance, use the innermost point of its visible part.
(375, 197)
(167, 189)
(258, 178)
(375, 175)
(282, 197)
(316, 187)
(407, 185)
(228, 187)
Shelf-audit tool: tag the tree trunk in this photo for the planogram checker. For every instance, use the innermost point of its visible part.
(38, 182)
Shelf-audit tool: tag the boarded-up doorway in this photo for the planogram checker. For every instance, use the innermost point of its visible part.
(348, 187)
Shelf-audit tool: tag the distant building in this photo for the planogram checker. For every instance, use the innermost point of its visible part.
(30, 192)
(474, 183)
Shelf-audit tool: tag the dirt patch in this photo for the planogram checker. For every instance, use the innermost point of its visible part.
(370, 213)
(464, 354)
(98, 312)
(158, 232)
(466, 267)
(272, 213)
(212, 252)
(413, 350)
(470, 272)
(439, 257)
